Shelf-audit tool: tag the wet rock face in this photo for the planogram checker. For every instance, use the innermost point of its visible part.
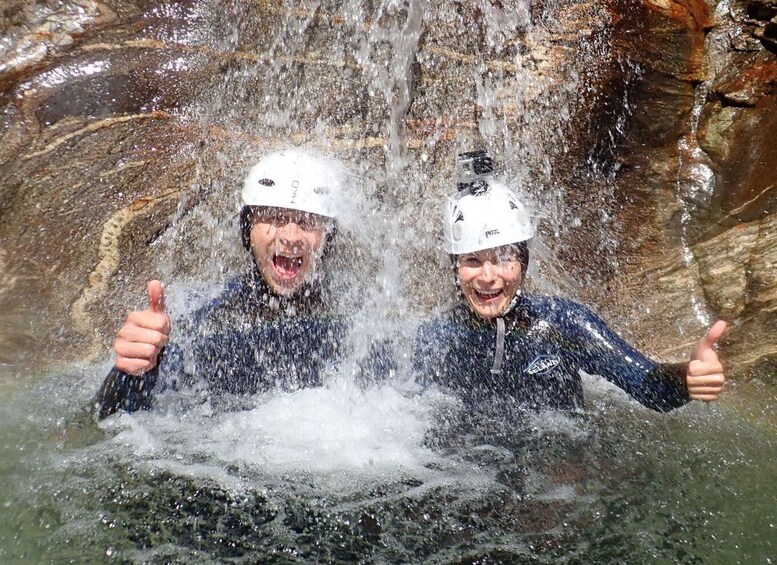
(86, 143)
(704, 175)
(643, 129)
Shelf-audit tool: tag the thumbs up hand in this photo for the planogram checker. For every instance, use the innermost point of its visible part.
(144, 334)
(705, 377)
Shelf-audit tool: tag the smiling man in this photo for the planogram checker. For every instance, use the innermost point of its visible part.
(267, 329)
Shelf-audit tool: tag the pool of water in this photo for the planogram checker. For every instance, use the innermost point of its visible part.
(383, 475)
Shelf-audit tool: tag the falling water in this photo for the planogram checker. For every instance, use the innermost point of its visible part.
(384, 473)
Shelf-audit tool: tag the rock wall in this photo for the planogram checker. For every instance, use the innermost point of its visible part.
(643, 129)
(698, 180)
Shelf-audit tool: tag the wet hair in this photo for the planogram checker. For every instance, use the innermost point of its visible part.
(246, 222)
(523, 256)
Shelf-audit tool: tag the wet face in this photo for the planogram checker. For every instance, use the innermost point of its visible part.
(287, 246)
(489, 279)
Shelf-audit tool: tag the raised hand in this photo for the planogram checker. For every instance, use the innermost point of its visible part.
(705, 376)
(144, 334)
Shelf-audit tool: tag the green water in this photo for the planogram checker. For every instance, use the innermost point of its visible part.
(617, 485)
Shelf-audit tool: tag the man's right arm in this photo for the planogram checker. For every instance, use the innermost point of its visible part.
(122, 391)
(138, 346)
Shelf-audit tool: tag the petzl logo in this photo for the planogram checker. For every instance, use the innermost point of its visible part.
(489, 233)
(542, 364)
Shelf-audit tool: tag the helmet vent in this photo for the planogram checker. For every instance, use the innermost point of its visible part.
(267, 182)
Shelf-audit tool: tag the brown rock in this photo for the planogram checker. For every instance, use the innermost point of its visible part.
(739, 272)
(743, 154)
(724, 269)
(763, 270)
(769, 35)
(746, 41)
(749, 78)
(668, 36)
(691, 14)
(34, 34)
(715, 134)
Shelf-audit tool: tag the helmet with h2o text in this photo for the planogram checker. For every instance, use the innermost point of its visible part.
(292, 179)
(485, 215)
(295, 180)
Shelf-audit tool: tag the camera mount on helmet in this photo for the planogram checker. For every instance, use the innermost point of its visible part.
(474, 168)
(484, 213)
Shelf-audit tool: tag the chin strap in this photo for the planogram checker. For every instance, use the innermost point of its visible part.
(514, 301)
(500, 346)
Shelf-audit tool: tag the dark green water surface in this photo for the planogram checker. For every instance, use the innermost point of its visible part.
(384, 478)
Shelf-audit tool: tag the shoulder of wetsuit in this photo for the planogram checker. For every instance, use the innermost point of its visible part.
(243, 301)
(559, 311)
(234, 290)
(276, 331)
(548, 306)
(438, 327)
(429, 337)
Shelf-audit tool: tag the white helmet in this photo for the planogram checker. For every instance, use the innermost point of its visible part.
(484, 219)
(297, 180)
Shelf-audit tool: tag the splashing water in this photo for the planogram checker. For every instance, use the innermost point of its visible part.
(387, 475)
(335, 431)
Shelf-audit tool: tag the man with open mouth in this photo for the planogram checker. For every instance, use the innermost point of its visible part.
(526, 349)
(267, 328)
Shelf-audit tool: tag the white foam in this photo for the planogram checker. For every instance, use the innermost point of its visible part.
(335, 428)
(338, 433)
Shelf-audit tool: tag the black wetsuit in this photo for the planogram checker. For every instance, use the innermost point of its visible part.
(245, 341)
(547, 342)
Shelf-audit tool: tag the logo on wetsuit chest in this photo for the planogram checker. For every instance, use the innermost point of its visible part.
(542, 364)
